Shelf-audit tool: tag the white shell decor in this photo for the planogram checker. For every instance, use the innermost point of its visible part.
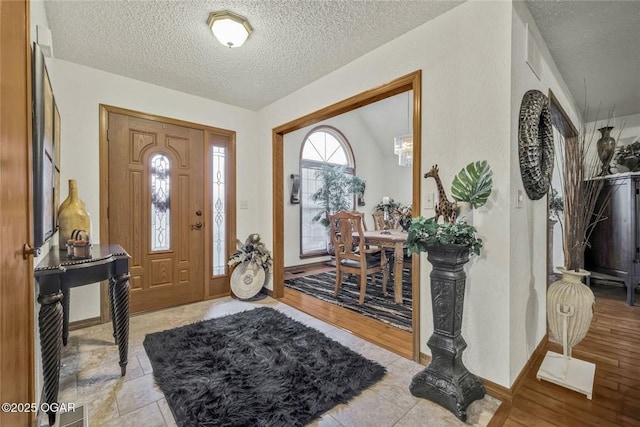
(247, 279)
(566, 294)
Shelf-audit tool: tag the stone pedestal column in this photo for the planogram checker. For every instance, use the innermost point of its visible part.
(446, 381)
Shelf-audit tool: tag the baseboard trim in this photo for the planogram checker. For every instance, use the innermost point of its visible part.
(505, 394)
(85, 323)
(537, 353)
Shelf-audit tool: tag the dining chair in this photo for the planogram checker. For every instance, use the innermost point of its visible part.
(352, 255)
(361, 215)
(378, 220)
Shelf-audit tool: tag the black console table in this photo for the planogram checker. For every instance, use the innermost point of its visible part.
(55, 276)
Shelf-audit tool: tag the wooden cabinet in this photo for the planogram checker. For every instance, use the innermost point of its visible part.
(615, 241)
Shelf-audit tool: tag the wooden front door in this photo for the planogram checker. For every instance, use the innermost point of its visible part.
(155, 208)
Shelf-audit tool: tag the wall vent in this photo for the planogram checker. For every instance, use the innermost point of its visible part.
(75, 418)
(533, 58)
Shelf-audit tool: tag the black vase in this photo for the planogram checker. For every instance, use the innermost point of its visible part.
(446, 381)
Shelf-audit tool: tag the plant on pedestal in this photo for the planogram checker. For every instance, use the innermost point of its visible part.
(446, 380)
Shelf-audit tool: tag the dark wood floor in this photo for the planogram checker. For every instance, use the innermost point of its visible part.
(613, 344)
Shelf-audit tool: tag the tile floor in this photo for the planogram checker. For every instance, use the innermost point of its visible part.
(90, 375)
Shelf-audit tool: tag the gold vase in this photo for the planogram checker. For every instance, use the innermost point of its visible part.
(72, 215)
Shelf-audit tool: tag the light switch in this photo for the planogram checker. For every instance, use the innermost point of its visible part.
(519, 198)
(244, 204)
(428, 201)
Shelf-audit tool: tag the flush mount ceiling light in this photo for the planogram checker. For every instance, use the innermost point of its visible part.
(229, 28)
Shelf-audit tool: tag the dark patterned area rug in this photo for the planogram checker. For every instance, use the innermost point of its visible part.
(375, 305)
(255, 368)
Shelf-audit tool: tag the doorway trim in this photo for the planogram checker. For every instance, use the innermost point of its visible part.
(411, 81)
(210, 133)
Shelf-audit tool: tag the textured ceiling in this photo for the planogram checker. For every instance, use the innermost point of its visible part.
(596, 46)
(168, 43)
(298, 41)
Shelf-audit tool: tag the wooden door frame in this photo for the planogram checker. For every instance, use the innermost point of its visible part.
(569, 130)
(17, 300)
(104, 111)
(411, 81)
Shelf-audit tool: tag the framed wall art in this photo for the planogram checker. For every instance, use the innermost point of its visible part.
(46, 134)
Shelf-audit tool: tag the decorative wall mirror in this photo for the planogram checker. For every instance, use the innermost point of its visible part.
(405, 94)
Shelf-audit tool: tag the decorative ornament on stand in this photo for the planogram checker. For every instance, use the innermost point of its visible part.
(535, 144)
(445, 209)
(570, 302)
(255, 263)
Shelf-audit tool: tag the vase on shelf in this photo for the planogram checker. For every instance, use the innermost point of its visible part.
(446, 381)
(72, 215)
(606, 146)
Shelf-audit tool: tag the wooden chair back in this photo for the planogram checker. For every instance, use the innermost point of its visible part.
(343, 225)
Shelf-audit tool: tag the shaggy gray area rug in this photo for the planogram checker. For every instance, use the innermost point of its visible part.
(254, 368)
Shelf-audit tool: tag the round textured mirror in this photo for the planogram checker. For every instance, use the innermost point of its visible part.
(535, 144)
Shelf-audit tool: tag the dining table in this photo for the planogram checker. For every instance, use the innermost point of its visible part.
(396, 240)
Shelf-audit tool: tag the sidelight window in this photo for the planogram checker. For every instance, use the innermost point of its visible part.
(219, 210)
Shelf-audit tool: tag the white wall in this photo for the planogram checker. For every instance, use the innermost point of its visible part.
(528, 224)
(466, 116)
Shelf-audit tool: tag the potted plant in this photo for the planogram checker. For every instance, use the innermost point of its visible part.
(556, 205)
(446, 380)
(337, 189)
(471, 188)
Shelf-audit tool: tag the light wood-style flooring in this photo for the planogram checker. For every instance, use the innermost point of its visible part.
(613, 344)
(374, 331)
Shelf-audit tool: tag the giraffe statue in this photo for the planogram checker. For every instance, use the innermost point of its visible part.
(448, 210)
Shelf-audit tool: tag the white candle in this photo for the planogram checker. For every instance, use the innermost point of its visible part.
(385, 200)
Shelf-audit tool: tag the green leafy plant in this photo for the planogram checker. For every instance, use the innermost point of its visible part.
(392, 206)
(556, 204)
(336, 190)
(473, 184)
(424, 233)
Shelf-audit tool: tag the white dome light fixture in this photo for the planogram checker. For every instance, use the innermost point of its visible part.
(229, 28)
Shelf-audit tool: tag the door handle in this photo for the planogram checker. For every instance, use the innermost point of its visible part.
(196, 226)
(27, 250)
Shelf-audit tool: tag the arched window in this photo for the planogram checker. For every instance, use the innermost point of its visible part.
(323, 145)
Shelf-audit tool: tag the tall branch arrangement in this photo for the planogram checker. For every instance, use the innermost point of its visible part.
(578, 165)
